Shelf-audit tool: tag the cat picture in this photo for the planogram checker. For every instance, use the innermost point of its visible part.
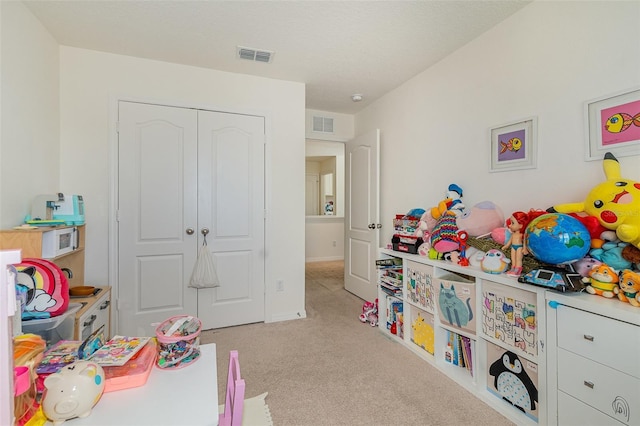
(454, 310)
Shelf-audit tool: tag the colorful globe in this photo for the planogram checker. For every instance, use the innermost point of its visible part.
(557, 239)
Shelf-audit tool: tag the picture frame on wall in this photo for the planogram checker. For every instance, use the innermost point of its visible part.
(613, 125)
(514, 145)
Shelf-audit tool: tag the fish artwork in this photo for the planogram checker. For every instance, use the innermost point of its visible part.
(514, 145)
(621, 121)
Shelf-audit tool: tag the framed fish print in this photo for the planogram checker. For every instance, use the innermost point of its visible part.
(613, 125)
(513, 145)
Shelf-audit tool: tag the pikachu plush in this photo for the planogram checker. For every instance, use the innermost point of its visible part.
(614, 202)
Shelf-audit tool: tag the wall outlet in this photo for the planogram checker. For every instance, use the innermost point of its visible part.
(334, 243)
(279, 285)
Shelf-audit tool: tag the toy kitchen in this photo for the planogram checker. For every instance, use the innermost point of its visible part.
(52, 244)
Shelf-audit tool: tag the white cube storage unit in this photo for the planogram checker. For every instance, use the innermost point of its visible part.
(537, 356)
(462, 320)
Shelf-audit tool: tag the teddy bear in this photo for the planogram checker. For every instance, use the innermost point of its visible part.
(629, 290)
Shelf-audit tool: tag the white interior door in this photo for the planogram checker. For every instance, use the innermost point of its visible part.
(157, 199)
(182, 170)
(362, 213)
(232, 206)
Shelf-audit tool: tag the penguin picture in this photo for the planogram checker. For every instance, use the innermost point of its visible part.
(513, 382)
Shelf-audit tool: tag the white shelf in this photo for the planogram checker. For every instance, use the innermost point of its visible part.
(467, 313)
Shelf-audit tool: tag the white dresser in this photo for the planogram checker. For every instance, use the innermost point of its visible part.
(595, 379)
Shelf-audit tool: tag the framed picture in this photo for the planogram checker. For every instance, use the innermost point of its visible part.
(513, 146)
(613, 125)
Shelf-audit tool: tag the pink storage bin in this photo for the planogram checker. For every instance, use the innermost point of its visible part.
(178, 341)
(132, 374)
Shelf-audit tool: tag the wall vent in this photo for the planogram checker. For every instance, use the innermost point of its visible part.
(256, 55)
(323, 124)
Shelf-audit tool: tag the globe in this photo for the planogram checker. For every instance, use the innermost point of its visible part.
(557, 239)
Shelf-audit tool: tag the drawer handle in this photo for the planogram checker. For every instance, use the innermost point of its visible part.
(588, 384)
(587, 337)
(91, 321)
(105, 305)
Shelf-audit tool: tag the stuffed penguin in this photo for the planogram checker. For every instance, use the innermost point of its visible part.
(513, 382)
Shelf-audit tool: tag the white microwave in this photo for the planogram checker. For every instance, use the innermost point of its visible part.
(59, 241)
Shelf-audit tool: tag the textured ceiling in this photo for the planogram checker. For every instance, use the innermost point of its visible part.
(337, 48)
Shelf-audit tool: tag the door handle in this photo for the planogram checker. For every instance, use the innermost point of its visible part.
(189, 231)
(204, 231)
(379, 226)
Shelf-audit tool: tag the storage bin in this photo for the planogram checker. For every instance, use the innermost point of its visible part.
(134, 372)
(456, 301)
(178, 341)
(54, 329)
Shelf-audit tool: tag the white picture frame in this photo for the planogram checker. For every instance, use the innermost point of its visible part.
(620, 137)
(514, 145)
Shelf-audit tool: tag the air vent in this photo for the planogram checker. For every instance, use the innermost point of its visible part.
(256, 55)
(323, 124)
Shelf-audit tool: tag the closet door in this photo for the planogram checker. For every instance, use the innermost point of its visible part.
(157, 203)
(231, 205)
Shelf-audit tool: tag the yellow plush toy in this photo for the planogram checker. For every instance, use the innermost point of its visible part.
(615, 203)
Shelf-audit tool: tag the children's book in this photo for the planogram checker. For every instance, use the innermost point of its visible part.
(59, 355)
(119, 350)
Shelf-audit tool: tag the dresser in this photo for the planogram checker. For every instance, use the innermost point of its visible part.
(594, 354)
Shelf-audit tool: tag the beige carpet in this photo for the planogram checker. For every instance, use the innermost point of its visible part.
(331, 369)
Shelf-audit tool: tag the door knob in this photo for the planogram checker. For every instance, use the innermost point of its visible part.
(372, 226)
(189, 231)
(379, 226)
(204, 231)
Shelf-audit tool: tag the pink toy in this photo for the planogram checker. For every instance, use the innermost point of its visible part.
(481, 219)
(370, 313)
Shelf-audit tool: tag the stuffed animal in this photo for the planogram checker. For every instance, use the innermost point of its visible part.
(451, 202)
(481, 219)
(629, 287)
(602, 281)
(494, 262)
(614, 202)
(444, 237)
(584, 265)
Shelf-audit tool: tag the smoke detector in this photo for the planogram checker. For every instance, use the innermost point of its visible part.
(356, 97)
(257, 55)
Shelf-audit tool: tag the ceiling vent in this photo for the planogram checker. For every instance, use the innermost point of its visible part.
(323, 124)
(256, 55)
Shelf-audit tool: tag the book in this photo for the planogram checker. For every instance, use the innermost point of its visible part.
(59, 355)
(118, 350)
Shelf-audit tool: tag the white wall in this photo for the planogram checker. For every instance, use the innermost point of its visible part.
(29, 142)
(342, 126)
(90, 81)
(544, 61)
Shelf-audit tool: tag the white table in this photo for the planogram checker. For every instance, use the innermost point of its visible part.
(184, 397)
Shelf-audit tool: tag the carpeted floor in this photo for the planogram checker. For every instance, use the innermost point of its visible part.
(331, 369)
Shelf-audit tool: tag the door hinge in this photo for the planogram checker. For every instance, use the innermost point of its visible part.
(117, 215)
(264, 214)
(117, 127)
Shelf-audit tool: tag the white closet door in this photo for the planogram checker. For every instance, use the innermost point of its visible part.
(157, 202)
(231, 204)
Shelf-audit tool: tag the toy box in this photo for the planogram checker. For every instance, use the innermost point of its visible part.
(509, 315)
(456, 301)
(422, 329)
(419, 284)
(134, 372)
(513, 379)
(406, 243)
(54, 329)
(405, 225)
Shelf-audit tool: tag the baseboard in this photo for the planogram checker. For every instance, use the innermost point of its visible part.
(323, 259)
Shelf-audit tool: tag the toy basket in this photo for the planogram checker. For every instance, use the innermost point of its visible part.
(178, 341)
